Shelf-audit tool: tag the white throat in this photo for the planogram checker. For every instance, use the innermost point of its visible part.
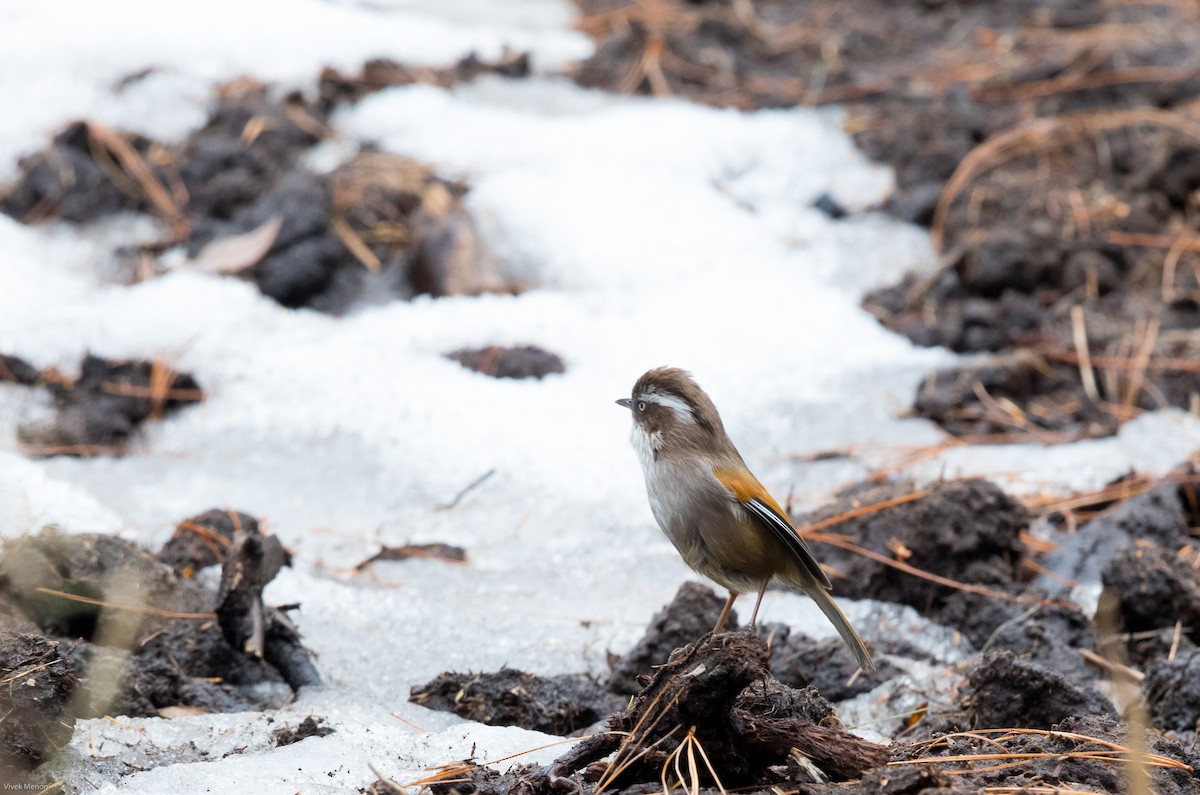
(647, 446)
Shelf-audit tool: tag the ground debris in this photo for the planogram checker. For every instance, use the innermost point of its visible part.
(311, 726)
(1157, 514)
(1154, 588)
(16, 370)
(138, 637)
(203, 540)
(448, 553)
(335, 88)
(966, 531)
(238, 199)
(79, 177)
(36, 682)
(1005, 690)
(522, 361)
(1052, 147)
(1172, 691)
(553, 704)
(1090, 749)
(98, 412)
(715, 699)
(799, 661)
(689, 615)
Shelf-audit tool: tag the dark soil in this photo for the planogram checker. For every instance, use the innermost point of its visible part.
(1066, 760)
(553, 704)
(235, 195)
(1173, 692)
(827, 665)
(720, 693)
(522, 361)
(138, 638)
(1047, 634)
(37, 681)
(967, 531)
(1159, 515)
(1154, 588)
(71, 179)
(1005, 690)
(98, 412)
(311, 726)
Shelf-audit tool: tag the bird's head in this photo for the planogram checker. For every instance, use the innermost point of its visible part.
(671, 413)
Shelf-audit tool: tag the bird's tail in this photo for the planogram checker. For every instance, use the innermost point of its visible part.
(842, 624)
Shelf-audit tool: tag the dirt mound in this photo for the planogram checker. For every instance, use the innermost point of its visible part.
(117, 631)
(98, 412)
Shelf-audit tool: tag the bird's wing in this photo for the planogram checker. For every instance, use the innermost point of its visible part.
(763, 509)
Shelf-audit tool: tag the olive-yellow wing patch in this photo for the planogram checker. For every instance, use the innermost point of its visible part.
(763, 509)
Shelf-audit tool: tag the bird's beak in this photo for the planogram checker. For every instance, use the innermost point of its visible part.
(625, 403)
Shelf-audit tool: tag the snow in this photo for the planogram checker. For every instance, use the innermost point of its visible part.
(648, 232)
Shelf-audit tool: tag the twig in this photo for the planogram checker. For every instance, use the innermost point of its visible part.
(474, 484)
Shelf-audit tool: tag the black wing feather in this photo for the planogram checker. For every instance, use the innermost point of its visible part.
(769, 518)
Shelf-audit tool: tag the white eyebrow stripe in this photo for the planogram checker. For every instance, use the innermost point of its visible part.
(677, 405)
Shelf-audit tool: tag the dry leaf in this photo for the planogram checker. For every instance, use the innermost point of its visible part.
(233, 254)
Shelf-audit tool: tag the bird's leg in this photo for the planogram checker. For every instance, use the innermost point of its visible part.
(725, 612)
(758, 601)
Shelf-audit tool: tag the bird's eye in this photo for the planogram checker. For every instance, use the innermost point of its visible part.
(641, 405)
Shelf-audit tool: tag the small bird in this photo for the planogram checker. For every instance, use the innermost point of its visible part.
(720, 518)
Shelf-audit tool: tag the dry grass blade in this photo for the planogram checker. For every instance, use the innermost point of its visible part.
(711, 770)
(812, 533)
(450, 773)
(1039, 790)
(356, 245)
(1114, 668)
(1137, 378)
(149, 611)
(1110, 751)
(641, 730)
(864, 510)
(459, 772)
(1122, 363)
(77, 450)
(107, 144)
(25, 672)
(555, 744)
(1106, 498)
(1075, 82)
(843, 543)
(1086, 374)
